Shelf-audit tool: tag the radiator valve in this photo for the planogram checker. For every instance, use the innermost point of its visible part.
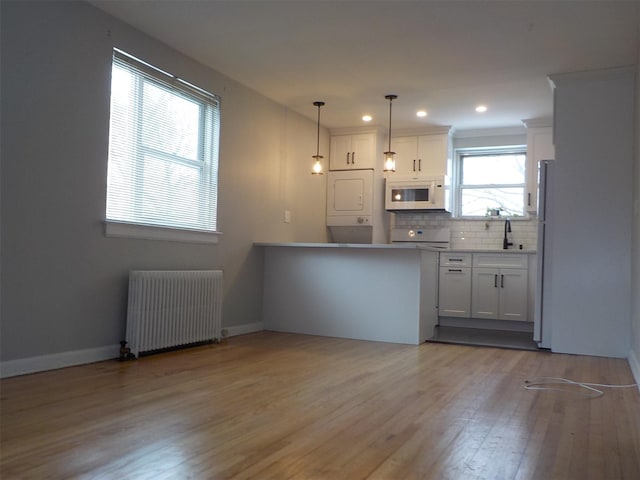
(125, 352)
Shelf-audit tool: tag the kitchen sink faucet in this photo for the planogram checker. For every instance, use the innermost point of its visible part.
(507, 228)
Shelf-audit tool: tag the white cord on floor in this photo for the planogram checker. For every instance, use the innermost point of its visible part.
(536, 384)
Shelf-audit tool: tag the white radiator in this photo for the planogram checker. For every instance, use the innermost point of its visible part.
(173, 308)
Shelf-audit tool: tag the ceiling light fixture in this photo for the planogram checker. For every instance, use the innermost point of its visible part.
(481, 108)
(389, 161)
(421, 113)
(317, 166)
(367, 118)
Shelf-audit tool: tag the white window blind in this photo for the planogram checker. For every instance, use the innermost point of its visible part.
(163, 149)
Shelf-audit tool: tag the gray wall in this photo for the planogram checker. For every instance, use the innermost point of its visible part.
(635, 280)
(64, 284)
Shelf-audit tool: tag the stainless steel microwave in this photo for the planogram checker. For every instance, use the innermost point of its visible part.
(430, 193)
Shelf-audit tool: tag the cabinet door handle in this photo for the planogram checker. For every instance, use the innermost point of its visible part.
(348, 157)
(501, 281)
(455, 270)
(495, 281)
(529, 199)
(353, 158)
(419, 164)
(414, 165)
(455, 259)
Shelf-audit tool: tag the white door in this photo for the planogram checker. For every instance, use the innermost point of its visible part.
(363, 154)
(513, 294)
(340, 153)
(406, 149)
(454, 292)
(484, 296)
(349, 197)
(432, 155)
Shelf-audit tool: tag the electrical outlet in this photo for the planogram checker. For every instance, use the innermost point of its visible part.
(287, 216)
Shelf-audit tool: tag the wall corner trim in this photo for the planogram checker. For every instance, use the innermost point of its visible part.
(243, 329)
(634, 364)
(23, 366)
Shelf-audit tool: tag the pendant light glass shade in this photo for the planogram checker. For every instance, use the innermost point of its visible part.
(317, 166)
(389, 160)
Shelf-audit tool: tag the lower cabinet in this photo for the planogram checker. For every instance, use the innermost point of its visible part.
(455, 292)
(499, 294)
(484, 285)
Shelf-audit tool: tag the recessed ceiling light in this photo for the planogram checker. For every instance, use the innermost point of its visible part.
(481, 108)
(367, 118)
(421, 113)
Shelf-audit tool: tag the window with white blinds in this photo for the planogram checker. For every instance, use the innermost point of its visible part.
(163, 149)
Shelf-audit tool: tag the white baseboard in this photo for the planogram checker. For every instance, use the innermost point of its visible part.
(234, 330)
(634, 363)
(22, 366)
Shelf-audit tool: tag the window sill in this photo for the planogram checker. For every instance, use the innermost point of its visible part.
(152, 232)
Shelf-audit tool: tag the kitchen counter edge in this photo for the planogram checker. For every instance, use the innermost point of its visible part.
(385, 246)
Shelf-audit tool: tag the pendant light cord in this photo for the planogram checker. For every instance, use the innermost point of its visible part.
(318, 133)
(390, 103)
(317, 156)
(391, 98)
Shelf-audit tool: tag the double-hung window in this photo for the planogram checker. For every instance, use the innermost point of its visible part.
(163, 152)
(490, 181)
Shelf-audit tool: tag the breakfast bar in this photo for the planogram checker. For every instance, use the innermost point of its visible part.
(377, 292)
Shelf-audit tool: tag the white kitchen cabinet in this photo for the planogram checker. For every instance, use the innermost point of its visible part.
(499, 294)
(484, 285)
(539, 147)
(406, 149)
(454, 294)
(500, 286)
(350, 152)
(420, 156)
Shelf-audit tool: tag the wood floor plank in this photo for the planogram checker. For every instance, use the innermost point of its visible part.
(284, 406)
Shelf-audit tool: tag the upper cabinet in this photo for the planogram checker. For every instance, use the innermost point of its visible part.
(423, 155)
(539, 147)
(355, 151)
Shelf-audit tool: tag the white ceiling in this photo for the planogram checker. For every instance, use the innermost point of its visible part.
(443, 56)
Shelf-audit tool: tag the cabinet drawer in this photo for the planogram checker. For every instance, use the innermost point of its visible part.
(500, 260)
(455, 259)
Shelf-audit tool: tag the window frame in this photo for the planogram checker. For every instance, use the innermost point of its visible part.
(458, 188)
(148, 226)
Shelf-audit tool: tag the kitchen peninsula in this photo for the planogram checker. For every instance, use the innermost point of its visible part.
(378, 292)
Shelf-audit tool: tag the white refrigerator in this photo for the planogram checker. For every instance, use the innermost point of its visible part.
(542, 319)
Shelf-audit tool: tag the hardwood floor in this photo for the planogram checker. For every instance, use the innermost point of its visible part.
(285, 406)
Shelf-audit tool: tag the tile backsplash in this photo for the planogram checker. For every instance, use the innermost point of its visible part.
(485, 233)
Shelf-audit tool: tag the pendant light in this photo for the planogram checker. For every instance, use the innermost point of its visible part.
(317, 166)
(389, 161)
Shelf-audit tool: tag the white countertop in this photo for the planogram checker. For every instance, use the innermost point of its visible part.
(386, 246)
(489, 250)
